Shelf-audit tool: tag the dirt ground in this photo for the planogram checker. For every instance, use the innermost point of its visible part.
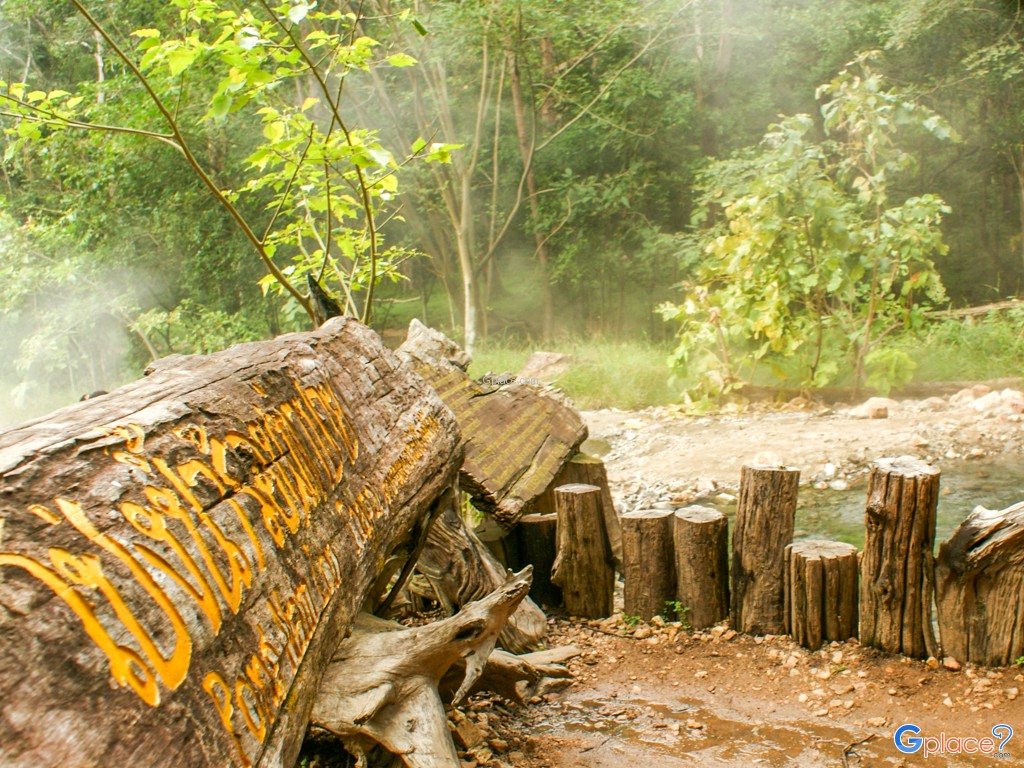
(662, 697)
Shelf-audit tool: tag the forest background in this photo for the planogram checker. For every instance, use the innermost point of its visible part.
(782, 192)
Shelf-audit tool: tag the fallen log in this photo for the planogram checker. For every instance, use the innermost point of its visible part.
(517, 439)
(979, 574)
(179, 558)
(382, 684)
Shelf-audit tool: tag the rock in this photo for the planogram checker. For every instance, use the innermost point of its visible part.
(932, 663)
(821, 713)
(951, 664)
(724, 499)
(933, 404)
(877, 722)
(823, 674)
(546, 366)
(467, 733)
(791, 661)
(837, 657)
(947, 701)
(841, 689)
(694, 725)
(874, 408)
(729, 635)
(969, 395)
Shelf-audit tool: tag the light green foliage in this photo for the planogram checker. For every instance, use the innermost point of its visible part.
(811, 263)
(630, 621)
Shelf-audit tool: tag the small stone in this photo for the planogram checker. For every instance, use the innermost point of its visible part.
(877, 722)
(516, 758)
(694, 725)
(892, 691)
(841, 689)
(791, 661)
(932, 663)
(821, 713)
(642, 632)
(500, 746)
(802, 698)
(947, 701)
(700, 673)
(951, 664)
(729, 635)
(717, 632)
(1012, 693)
(837, 657)
(823, 674)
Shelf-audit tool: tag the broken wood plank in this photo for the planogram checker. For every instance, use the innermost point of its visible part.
(179, 557)
(517, 439)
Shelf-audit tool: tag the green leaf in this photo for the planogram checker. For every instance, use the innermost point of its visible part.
(401, 60)
(420, 28)
(147, 32)
(181, 59)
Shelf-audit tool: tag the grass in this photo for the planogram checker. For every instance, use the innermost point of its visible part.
(605, 374)
(966, 349)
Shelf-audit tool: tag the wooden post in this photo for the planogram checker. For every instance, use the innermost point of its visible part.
(979, 574)
(765, 514)
(821, 591)
(897, 574)
(647, 562)
(534, 541)
(589, 470)
(583, 567)
(184, 554)
(702, 565)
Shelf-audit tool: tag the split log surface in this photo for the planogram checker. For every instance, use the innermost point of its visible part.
(583, 567)
(897, 570)
(517, 439)
(534, 541)
(381, 686)
(765, 514)
(821, 592)
(179, 557)
(701, 537)
(462, 569)
(648, 562)
(979, 576)
(588, 470)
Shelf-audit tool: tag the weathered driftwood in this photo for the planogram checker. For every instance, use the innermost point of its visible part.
(583, 567)
(178, 558)
(821, 591)
(517, 439)
(701, 537)
(516, 678)
(765, 515)
(979, 575)
(461, 569)
(534, 541)
(588, 470)
(897, 570)
(648, 562)
(382, 685)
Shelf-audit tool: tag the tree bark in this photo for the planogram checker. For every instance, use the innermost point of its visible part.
(979, 573)
(702, 565)
(534, 541)
(897, 575)
(588, 470)
(583, 567)
(181, 555)
(821, 592)
(765, 515)
(648, 562)
(517, 439)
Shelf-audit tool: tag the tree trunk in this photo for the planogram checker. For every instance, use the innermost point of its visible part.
(179, 558)
(821, 592)
(897, 574)
(588, 470)
(648, 565)
(583, 567)
(702, 565)
(979, 573)
(534, 541)
(765, 516)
